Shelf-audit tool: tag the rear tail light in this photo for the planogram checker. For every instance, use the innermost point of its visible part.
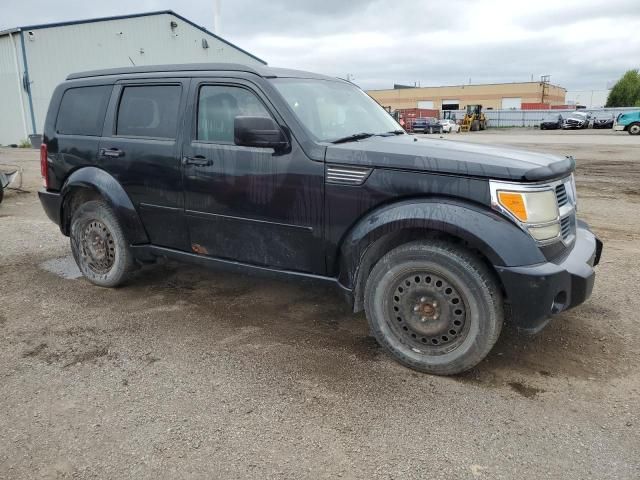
(44, 170)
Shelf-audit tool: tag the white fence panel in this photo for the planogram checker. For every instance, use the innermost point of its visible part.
(532, 118)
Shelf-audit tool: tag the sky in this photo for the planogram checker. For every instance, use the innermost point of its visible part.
(584, 45)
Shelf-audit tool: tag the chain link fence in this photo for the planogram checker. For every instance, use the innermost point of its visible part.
(532, 118)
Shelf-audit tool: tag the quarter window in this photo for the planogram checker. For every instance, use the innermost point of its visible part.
(149, 111)
(219, 105)
(82, 110)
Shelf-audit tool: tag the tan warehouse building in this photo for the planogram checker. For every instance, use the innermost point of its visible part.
(455, 97)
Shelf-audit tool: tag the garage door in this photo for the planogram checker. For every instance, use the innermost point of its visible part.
(511, 103)
(450, 104)
(426, 104)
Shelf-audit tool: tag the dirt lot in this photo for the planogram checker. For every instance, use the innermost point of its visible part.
(189, 373)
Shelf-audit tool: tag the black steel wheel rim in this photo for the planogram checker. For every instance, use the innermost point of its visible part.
(428, 313)
(97, 247)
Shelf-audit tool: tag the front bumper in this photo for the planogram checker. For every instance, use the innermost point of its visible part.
(51, 204)
(536, 292)
(618, 127)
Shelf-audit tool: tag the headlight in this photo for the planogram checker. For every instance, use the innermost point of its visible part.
(530, 207)
(534, 208)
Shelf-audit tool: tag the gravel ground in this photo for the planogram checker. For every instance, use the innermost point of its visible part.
(190, 373)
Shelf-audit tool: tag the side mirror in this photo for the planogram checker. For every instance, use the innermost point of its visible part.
(258, 132)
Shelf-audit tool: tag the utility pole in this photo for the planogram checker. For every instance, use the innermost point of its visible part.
(544, 81)
(216, 17)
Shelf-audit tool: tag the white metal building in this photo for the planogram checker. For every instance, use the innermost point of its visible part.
(35, 59)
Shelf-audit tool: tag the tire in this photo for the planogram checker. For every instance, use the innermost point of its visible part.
(634, 128)
(460, 309)
(107, 260)
(475, 126)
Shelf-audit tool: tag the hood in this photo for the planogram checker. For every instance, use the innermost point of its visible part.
(408, 152)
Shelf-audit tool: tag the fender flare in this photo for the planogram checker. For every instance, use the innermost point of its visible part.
(499, 240)
(101, 182)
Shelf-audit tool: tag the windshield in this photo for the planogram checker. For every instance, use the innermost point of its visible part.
(331, 110)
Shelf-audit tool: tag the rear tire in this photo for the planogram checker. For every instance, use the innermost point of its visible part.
(634, 128)
(99, 245)
(434, 307)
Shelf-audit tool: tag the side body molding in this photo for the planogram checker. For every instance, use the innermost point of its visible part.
(500, 241)
(109, 188)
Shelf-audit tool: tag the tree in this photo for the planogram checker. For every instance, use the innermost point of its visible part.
(626, 91)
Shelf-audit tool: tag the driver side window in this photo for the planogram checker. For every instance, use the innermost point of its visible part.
(219, 105)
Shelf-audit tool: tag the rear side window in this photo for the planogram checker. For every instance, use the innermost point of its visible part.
(82, 110)
(149, 111)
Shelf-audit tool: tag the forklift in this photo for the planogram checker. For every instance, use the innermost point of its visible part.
(474, 119)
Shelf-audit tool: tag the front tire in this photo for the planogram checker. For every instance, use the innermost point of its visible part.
(435, 307)
(634, 129)
(99, 245)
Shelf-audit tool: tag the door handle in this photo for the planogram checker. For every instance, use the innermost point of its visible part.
(198, 161)
(111, 152)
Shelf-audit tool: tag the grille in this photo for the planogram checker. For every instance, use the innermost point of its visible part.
(346, 175)
(565, 227)
(561, 195)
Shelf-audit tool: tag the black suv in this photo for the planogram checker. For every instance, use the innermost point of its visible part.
(290, 173)
(426, 125)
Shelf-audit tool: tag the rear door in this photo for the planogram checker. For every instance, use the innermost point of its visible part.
(141, 148)
(244, 203)
(72, 131)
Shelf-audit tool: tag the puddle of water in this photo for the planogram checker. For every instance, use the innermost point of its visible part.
(64, 267)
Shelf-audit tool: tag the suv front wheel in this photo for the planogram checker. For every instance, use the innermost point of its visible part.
(99, 245)
(434, 306)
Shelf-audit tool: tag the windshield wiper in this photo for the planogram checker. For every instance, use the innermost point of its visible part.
(354, 137)
(363, 135)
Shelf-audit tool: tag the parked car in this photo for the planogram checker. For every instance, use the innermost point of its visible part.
(576, 120)
(551, 122)
(603, 120)
(628, 122)
(285, 173)
(426, 125)
(449, 126)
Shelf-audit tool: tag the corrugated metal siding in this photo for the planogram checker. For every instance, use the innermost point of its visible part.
(55, 52)
(12, 127)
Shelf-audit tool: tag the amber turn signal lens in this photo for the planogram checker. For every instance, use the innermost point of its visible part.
(514, 202)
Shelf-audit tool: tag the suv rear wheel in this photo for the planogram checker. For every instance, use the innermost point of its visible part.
(435, 307)
(99, 245)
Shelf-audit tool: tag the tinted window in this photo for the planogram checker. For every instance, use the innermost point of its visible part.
(149, 111)
(82, 110)
(218, 106)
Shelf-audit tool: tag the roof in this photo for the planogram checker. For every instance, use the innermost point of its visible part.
(262, 71)
(124, 17)
(410, 87)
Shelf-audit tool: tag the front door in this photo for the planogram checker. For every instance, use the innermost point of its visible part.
(249, 204)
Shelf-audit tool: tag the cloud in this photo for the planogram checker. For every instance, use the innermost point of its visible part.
(582, 45)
